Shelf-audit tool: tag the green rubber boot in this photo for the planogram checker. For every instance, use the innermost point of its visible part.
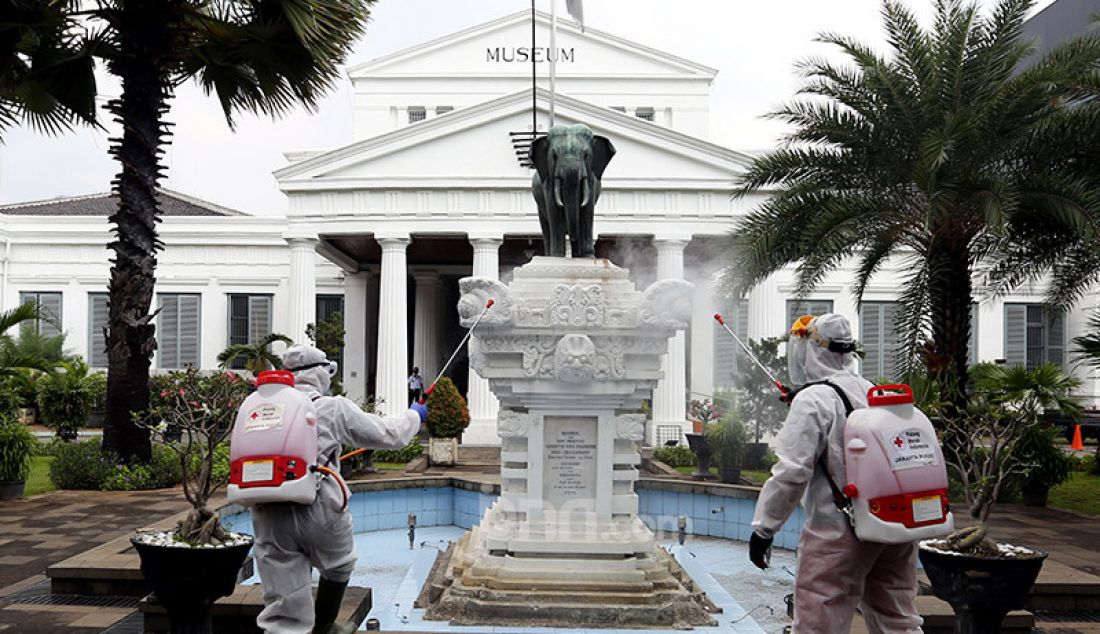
(330, 595)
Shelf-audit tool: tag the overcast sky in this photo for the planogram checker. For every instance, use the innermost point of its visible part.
(753, 44)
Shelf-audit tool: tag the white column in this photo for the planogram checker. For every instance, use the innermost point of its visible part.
(703, 307)
(767, 310)
(483, 405)
(355, 335)
(669, 398)
(393, 339)
(426, 324)
(302, 304)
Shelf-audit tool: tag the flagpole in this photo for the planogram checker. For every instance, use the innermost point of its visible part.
(534, 80)
(552, 55)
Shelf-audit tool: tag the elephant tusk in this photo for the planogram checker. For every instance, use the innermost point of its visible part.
(557, 192)
(584, 189)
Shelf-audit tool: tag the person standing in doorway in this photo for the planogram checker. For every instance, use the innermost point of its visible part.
(416, 385)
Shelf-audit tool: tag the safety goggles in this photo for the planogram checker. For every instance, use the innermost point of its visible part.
(331, 366)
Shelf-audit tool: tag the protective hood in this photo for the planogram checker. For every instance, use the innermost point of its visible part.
(310, 368)
(809, 358)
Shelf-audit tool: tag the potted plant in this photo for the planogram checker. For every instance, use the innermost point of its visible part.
(727, 439)
(448, 416)
(1049, 465)
(757, 396)
(16, 448)
(196, 563)
(984, 449)
(65, 397)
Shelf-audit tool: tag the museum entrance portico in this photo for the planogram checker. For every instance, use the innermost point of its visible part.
(401, 294)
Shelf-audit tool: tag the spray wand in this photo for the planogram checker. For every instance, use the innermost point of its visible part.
(431, 388)
(428, 392)
(784, 391)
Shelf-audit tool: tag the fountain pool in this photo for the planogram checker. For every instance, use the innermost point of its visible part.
(714, 553)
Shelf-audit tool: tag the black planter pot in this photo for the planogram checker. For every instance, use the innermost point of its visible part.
(187, 581)
(11, 489)
(980, 590)
(754, 455)
(698, 445)
(1035, 497)
(729, 475)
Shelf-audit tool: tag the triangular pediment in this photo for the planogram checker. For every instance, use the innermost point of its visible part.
(474, 145)
(503, 47)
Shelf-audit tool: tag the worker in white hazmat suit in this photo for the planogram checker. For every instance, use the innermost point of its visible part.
(293, 538)
(836, 571)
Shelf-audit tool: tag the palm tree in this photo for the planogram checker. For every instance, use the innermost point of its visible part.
(255, 357)
(30, 351)
(939, 156)
(260, 56)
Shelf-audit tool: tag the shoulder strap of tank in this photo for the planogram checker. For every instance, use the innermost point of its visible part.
(843, 502)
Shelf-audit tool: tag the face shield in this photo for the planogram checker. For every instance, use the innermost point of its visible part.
(797, 343)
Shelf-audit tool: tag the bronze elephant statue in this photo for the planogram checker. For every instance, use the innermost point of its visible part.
(569, 163)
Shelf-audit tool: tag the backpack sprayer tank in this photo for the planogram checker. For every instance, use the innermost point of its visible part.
(274, 445)
(897, 478)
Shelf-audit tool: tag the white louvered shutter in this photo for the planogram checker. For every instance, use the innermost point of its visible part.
(259, 317)
(870, 336)
(1015, 334)
(97, 323)
(190, 316)
(168, 332)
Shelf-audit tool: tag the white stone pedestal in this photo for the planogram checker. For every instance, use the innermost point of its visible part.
(570, 349)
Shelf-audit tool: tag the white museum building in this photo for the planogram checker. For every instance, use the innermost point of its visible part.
(428, 189)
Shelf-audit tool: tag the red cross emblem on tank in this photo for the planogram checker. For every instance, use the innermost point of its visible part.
(254, 415)
(898, 442)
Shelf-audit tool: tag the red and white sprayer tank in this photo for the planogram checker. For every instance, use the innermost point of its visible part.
(274, 444)
(897, 479)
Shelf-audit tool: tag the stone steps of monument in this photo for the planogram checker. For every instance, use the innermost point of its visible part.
(570, 597)
(627, 586)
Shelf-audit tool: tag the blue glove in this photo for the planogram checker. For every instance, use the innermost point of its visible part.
(421, 409)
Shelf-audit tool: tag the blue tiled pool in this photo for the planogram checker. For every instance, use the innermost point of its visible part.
(714, 554)
(707, 515)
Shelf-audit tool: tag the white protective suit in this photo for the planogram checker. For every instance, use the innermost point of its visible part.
(836, 571)
(292, 538)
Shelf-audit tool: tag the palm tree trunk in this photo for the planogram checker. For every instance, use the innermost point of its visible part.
(951, 294)
(146, 32)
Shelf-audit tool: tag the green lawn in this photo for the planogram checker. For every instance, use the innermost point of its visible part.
(39, 479)
(1080, 493)
(389, 466)
(757, 476)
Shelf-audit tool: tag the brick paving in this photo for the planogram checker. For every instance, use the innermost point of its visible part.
(39, 531)
(45, 529)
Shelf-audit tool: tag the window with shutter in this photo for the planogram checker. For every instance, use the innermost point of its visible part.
(49, 305)
(178, 330)
(1034, 335)
(168, 332)
(870, 337)
(259, 317)
(798, 308)
(97, 324)
(1016, 334)
(249, 321)
(727, 354)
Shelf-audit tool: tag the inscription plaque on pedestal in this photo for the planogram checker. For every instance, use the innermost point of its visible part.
(569, 463)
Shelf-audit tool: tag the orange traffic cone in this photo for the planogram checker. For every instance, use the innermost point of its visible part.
(1077, 445)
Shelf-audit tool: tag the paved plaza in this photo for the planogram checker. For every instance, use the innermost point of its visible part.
(39, 531)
